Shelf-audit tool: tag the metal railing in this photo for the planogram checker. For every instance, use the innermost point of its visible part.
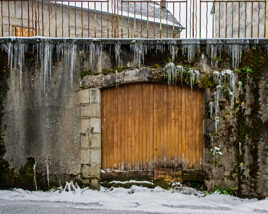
(134, 18)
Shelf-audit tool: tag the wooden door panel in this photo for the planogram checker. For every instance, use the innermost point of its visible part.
(151, 126)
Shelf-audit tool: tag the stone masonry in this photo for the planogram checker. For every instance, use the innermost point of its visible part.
(90, 113)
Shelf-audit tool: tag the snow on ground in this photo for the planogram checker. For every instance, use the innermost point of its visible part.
(142, 199)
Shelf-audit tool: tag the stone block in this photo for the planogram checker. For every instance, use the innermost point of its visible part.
(84, 96)
(265, 117)
(95, 125)
(85, 156)
(95, 157)
(85, 181)
(94, 171)
(85, 171)
(95, 183)
(95, 140)
(85, 141)
(92, 110)
(85, 125)
(94, 96)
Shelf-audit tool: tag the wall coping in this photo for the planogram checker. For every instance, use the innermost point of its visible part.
(173, 41)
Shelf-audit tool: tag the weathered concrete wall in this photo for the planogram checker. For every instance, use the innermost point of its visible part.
(42, 118)
(67, 22)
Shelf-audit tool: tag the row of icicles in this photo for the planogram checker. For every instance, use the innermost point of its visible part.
(17, 49)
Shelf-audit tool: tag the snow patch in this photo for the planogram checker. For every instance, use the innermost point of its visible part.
(141, 199)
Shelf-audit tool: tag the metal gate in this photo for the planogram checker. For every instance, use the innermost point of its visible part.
(149, 127)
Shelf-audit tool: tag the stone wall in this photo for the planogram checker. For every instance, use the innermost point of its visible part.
(53, 106)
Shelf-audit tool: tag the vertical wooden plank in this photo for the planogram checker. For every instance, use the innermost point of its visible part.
(155, 144)
(183, 129)
(137, 117)
(194, 125)
(126, 135)
(143, 122)
(188, 142)
(150, 146)
(157, 123)
(178, 124)
(188, 131)
(131, 123)
(121, 127)
(163, 124)
(173, 128)
(197, 118)
(115, 113)
(201, 134)
(116, 126)
(137, 144)
(110, 146)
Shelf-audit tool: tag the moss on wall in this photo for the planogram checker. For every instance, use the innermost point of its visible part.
(249, 126)
(4, 74)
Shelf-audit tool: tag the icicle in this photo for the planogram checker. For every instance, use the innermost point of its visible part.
(217, 99)
(211, 104)
(180, 70)
(60, 51)
(228, 75)
(236, 52)
(231, 94)
(34, 171)
(160, 48)
(194, 74)
(138, 49)
(73, 60)
(47, 170)
(99, 57)
(239, 87)
(217, 77)
(116, 78)
(117, 48)
(173, 49)
(21, 59)
(47, 64)
(10, 55)
(170, 69)
(191, 50)
(92, 52)
(217, 121)
(212, 51)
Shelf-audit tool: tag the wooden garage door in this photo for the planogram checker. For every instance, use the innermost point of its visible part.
(149, 126)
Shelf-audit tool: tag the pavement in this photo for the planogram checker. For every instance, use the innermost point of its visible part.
(32, 207)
